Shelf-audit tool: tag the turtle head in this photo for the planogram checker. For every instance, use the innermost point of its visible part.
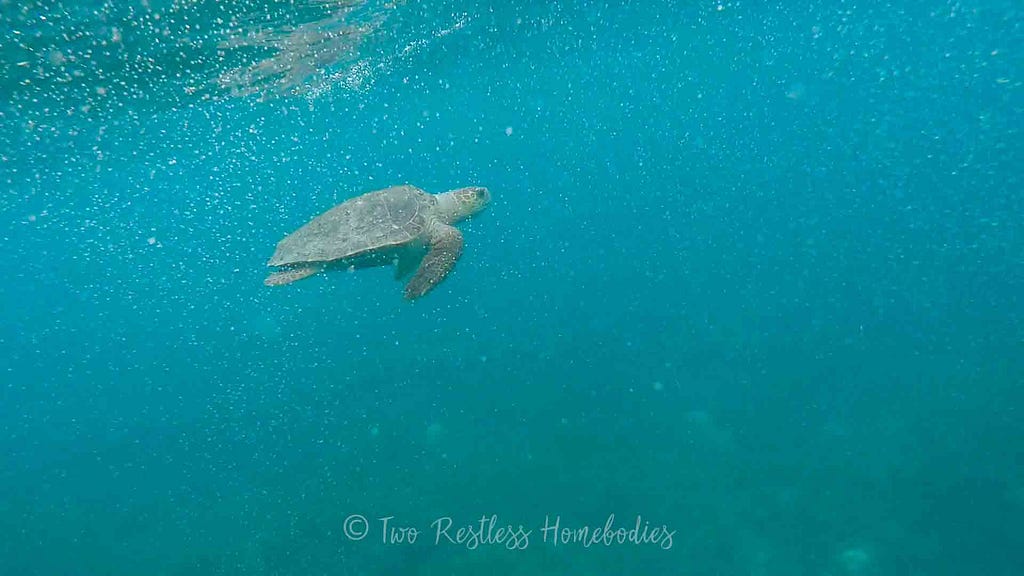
(463, 203)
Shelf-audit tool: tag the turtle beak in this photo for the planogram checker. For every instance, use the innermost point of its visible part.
(483, 196)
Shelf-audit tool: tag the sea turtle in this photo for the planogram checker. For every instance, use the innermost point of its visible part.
(401, 225)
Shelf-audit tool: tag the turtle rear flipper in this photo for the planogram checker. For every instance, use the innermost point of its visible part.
(445, 248)
(291, 275)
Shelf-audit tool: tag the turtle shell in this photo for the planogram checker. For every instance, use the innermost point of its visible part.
(378, 220)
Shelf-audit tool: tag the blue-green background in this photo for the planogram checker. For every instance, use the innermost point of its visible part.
(753, 271)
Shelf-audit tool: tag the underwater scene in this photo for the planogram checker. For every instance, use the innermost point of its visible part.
(444, 287)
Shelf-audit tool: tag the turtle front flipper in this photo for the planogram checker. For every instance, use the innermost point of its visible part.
(283, 277)
(407, 261)
(445, 248)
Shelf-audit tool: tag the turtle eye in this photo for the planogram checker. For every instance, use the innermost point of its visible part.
(480, 194)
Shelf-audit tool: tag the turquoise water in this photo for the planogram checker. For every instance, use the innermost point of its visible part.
(752, 274)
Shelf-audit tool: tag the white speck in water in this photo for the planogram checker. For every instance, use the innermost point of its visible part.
(151, 240)
(508, 131)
